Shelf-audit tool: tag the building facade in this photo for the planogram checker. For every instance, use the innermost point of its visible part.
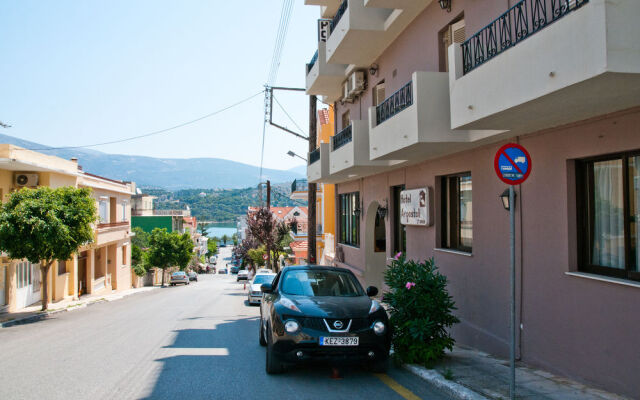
(100, 267)
(425, 96)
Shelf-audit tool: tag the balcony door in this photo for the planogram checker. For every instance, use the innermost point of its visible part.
(452, 33)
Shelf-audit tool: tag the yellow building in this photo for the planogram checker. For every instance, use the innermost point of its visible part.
(100, 267)
(325, 196)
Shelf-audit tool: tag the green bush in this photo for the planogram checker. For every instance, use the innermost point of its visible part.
(139, 270)
(420, 309)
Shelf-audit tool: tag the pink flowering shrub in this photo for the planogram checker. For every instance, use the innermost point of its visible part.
(421, 311)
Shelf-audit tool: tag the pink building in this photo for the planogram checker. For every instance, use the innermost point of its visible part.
(425, 96)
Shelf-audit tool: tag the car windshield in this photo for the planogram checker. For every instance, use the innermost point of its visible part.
(321, 283)
(260, 279)
(177, 273)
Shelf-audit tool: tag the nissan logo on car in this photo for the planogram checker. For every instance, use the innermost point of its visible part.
(337, 324)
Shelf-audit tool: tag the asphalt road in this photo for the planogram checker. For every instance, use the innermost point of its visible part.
(194, 342)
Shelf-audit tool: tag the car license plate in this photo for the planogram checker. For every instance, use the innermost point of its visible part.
(339, 341)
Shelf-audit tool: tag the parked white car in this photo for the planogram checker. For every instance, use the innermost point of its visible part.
(243, 274)
(255, 294)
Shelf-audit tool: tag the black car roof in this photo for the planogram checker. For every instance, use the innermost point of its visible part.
(317, 267)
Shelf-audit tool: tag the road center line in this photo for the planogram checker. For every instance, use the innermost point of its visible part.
(396, 387)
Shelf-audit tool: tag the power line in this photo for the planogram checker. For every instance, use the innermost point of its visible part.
(154, 132)
(287, 114)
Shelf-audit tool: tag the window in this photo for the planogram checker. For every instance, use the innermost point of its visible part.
(103, 212)
(399, 230)
(378, 94)
(321, 283)
(124, 211)
(608, 214)
(457, 216)
(346, 119)
(62, 267)
(453, 33)
(350, 219)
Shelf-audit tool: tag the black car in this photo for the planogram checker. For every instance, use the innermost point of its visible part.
(322, 313)
(234, 269)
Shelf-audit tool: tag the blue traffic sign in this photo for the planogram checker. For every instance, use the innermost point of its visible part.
(512, 164)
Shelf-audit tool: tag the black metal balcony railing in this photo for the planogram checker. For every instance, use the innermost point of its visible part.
(312, 62)
(339, 14)
(518, 23)
(395, 103)
(345, 136)
(314, 156)
(299, 185)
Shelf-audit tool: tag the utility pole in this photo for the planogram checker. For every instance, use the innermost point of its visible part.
(311, 224)
(269, 209)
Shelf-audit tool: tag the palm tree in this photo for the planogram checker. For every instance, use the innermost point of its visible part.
(225, 238)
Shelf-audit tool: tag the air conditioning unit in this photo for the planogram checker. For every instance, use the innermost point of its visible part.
(346, 92)
(22, 180)
(356, 83)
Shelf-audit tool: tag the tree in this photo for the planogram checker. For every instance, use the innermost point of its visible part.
(169, 250)
(212, 248)
(225, 238)
(45, 224)
(263, 227)
(234, 237)
(257, 256)
(140, 238)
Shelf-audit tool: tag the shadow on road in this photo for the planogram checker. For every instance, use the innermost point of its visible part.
(226, 362)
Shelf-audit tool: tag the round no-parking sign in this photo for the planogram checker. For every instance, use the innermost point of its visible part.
(512, 164)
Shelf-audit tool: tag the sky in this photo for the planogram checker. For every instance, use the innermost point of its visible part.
(82, 72)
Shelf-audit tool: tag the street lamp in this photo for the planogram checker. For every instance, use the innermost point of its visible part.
(445, 5)
(505, 199)
(292, 154)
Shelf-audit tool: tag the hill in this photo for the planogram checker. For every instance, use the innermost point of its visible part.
(219, 205)
(167, 173)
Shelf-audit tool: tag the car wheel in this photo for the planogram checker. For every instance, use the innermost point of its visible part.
(381, 365)
(262, 340)
(273, 366)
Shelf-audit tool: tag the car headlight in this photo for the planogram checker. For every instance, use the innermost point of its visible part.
(291, 326)
(375, 306)
(379, 327)
(289, 304)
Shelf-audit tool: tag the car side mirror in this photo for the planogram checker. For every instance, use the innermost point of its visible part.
(266, 288)
(372, 291)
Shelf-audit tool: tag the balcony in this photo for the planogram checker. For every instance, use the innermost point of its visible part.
(300, 188)
(318, 168)
(413, 124)
(361, 30)
(349, 158)
(111, 232)
(324, 79)
(328, 7)
(546, 63)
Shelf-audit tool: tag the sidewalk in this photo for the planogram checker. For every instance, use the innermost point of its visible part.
(469, 374)
(34, 313)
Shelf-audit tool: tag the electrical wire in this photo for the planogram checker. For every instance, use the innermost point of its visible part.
(287, 114)
(154, 132)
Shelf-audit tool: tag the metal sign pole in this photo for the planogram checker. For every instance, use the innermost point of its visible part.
(512, 223)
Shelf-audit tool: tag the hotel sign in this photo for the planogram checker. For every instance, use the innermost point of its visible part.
(324, 25)
(414, 207)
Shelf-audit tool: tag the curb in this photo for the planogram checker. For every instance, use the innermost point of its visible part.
(436, 379)
(45, 315)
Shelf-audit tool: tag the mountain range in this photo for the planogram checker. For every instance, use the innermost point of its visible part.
(167, 173)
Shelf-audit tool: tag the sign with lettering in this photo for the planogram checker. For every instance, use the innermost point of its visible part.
(512, 164)
(323, 29)
(414, 207)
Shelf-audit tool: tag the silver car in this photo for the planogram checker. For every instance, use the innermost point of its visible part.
(242, 274)
(254, 296)
(179, 277)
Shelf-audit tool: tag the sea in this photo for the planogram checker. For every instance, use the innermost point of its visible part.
(218, 230)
